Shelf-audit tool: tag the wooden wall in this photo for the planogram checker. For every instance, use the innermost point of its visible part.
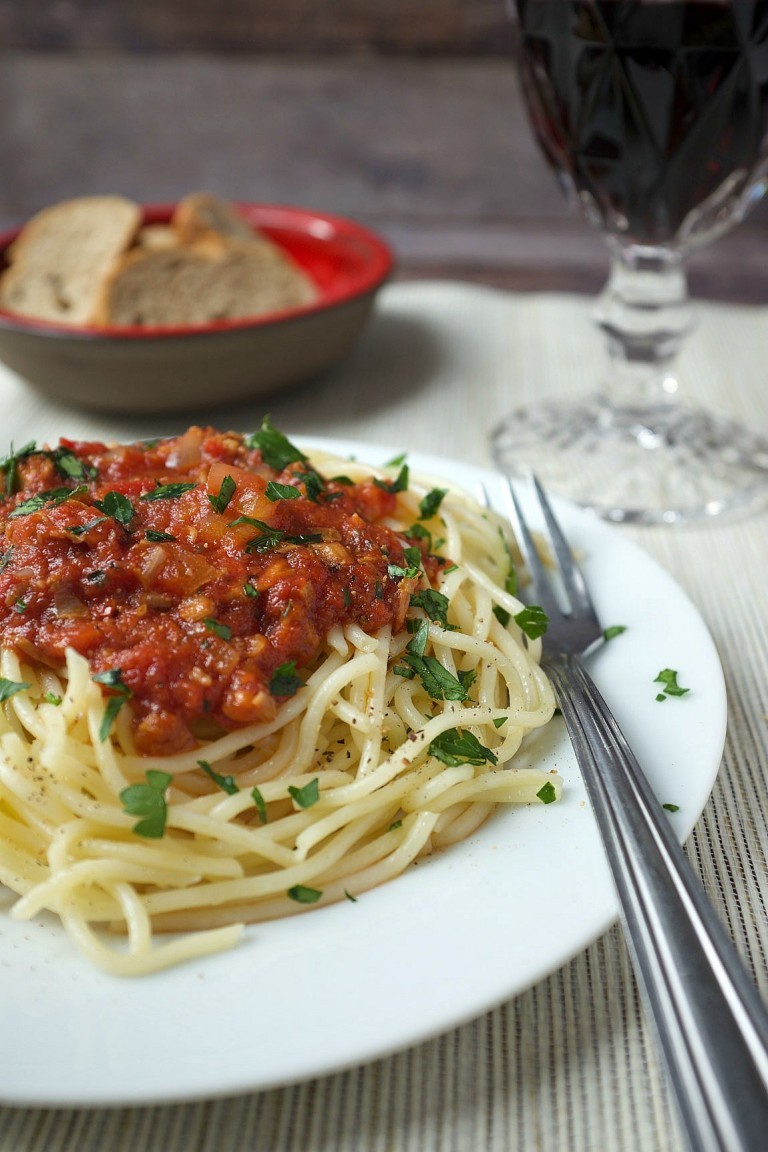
(453, 27)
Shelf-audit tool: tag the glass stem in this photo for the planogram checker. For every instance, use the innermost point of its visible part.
(645, 312)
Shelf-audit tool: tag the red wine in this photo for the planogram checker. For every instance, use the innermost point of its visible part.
(654, 115)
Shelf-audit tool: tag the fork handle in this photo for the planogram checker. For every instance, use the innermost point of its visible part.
(711, 1022)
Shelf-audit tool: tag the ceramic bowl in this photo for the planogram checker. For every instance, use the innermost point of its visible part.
(132, 369)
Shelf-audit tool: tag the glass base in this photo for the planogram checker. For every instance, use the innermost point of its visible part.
(657, 465)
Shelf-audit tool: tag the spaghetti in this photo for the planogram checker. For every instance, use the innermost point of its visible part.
(250, 765)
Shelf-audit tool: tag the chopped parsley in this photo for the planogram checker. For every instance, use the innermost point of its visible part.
(113, 679)
(274, 491)
(314, 486)
(438, 682)
(396, 461)
(9, 688)
(223, 631)
(613, 631)
(9, 465)
(275, 448)
(418, 645)
(399, 484)
(532, 620)
(307, 796)
(430, 504)
(668, 677)
(81, 529)
(159, 537)
(284, 680)
(500, 721)
(303, 895)
(455, 747)
(169, 491)
(261, 807)
(5, 559)
(547, 793)
(53, 497)
(419, 532)
(671, 807)
(250, 590)
(226, 492)
(270, 537)
(52, 698)
(226, 783)
(70, 466)
(118, 506)
(502, 615)
(148, 801)
(397, 572)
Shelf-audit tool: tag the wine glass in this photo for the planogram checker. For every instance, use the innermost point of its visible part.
(653, 114)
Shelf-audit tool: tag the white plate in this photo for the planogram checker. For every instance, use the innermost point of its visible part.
(448, 940)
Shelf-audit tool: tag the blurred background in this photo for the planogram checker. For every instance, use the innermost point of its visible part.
(404, 114)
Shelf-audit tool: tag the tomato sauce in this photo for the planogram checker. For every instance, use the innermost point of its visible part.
(184, 565)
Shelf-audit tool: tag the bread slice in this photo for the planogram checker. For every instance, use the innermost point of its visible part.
(61, 258)
(200, 215)
(202, 283)
(157, 236)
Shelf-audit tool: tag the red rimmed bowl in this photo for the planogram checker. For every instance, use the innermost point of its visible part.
(172, 369)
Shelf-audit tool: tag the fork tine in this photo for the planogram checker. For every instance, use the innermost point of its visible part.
(570, 573)
(536, 570)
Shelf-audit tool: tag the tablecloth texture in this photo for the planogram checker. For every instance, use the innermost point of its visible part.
(570, 1064)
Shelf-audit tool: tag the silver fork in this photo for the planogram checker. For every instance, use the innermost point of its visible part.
(710, 1020)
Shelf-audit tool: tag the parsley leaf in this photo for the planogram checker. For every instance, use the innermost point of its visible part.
(284, 681)
(69, 465)
(9, 465)
(9, 688)
(502, 615)
(275, 492)
(112, 678)
(223, 631)
(613, 631)
(226, 783)
(307, 796)
(397, 572)
(533, 621)
(261, 807)
(303, 895)
(671, 807)
(275, 448)
(158, 537)
(547, 793)
(399, 484)
(314, 485)
(53, 497)
(226, 492)
(81, 529)
(455, 747)
(437, 681)
(118, 506)
(148, 801)
(418, 645)
(169, 491)
(430, 503)
(435, 604)
(668, 677)
(250, 590)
